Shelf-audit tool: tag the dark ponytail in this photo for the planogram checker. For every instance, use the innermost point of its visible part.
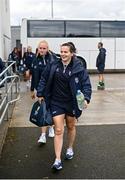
(71, 48)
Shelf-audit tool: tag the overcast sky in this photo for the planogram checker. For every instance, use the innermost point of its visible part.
(67, 9)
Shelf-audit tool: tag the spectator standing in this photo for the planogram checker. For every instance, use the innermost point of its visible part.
(100, 64)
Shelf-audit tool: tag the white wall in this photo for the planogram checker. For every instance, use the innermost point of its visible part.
(87, 48)
(1, 33)
(5, 35)
(120, 53)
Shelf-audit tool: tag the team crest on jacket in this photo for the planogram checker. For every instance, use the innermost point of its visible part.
(76, 80)
(69, 73)
(57, 69)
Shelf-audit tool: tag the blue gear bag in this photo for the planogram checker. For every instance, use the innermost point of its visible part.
(39, 115)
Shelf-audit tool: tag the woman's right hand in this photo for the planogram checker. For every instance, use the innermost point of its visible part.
(40, 99)
(33, 95)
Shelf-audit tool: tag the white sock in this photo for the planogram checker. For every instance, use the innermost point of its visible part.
(51, 127)
(43, 134)
(70, 150)
(57, 161)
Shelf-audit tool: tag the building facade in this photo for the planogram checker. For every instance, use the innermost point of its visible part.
(5, 33)
(15, 37)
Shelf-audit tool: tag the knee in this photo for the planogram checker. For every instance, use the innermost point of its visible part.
(58, 131)
(71, 127)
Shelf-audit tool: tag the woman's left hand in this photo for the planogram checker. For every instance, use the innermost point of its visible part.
(85, 104)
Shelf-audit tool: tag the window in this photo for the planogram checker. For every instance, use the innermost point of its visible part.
(113, 29)
(82, 28)
(38, 28)
(18, 44)
(75, 28)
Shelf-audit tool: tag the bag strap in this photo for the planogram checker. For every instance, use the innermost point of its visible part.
(44, 109)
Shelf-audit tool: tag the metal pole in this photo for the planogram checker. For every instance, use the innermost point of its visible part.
(52, 9)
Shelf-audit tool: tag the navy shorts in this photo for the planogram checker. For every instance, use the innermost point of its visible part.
(100, 69)
(64, 109)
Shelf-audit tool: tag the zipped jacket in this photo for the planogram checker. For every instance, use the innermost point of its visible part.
(38, 66)
(28, 59)
(100, 61)
(79, 79)
(2, 66)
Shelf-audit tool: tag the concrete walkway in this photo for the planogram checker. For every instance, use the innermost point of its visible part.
(100, 141)
(106, 107)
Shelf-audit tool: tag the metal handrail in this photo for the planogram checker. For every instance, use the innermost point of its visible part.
(7, 68)
(8, 90)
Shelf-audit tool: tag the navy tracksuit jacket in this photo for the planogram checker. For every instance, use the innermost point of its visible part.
(28, 59)
(38, 66)
(79, 79)
(100, 61)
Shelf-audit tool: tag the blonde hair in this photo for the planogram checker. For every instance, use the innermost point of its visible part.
(45, 42)
(29, 47)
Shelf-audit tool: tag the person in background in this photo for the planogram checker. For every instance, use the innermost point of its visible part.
(2, 67)
(58, 86)
(28, 57)
(14, 56)
(27, 61)
(100, 64)
(42, 59)
(19, 53)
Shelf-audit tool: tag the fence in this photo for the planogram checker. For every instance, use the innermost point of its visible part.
(9, 91)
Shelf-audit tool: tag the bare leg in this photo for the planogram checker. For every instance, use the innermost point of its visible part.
(101, 78)
(59, 131)
(70, 123)
(43, 129)
(42, 138)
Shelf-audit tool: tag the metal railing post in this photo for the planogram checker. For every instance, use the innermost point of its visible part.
(9, 81)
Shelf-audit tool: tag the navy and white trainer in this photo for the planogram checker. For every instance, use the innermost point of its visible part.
(69, 154)
(57, 165)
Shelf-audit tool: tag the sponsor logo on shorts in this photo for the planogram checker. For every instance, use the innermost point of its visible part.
(54, 112)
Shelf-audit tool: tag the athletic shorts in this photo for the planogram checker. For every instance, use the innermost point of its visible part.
(100, 70)
(64, 109)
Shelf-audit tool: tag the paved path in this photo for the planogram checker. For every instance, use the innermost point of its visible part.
(106, 107)
(99, 147)
(99, 154)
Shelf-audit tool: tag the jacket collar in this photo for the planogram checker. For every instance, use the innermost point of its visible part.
(77, 66)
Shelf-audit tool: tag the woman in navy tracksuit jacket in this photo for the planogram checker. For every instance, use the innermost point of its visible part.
(2, 67)
(42, 59)
(37, 67)
(58, 85)
(28, 58)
